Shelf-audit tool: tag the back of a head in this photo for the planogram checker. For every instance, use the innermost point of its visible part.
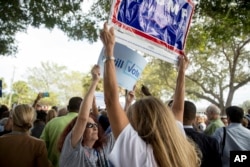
(55, 108)
(3, 109)
(51, 114)
(74, 104)
(145, 115)
(156, 125)
(41, 115)
(235, 114)
(213, 109)
(23, 116)
(62, 111)
(189, 112)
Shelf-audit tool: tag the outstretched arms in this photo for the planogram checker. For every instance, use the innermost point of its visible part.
(178, 102)
(117, 116)
(85, 107)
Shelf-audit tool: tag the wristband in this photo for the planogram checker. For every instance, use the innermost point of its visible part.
(108, 58)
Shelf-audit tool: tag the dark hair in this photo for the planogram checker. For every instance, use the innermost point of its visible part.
(3, 108)
(55, 108)
(41, 115)
(98, 144)
(145, 90)
(74, 104)
(235, 114)
(189, 111)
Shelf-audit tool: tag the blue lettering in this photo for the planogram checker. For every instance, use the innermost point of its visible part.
(119, 63)
(132, 70)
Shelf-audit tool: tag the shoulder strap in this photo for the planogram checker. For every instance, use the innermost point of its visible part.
(223, 141)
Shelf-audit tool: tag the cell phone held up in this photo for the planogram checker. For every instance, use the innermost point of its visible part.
(45, 94)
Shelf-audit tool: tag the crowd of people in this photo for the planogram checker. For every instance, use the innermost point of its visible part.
(146, 133)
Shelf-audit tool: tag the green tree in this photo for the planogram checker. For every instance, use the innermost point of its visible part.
(21, 93)
(246, 105)
(219, 67)
(67, 15)
(159, 77)
(60, 82)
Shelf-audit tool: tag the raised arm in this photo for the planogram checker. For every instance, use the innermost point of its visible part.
(95, 111)
(117, 117)
(178, 102)
(130, 96)
(81, 122)
(39, 96)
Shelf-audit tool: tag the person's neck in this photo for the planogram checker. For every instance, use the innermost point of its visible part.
(16, 129)
(89, 143)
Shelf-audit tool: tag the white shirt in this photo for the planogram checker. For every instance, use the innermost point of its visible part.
(131, 151)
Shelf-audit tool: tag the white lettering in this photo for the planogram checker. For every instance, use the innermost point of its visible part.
(237, 158)
(243, 157)
(174, 8)
(240, 158)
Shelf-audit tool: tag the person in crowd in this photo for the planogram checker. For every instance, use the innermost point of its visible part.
(224, 120)
(244, 122)
(247, 116)
(101, 116)
(200, 122)
(62, 111)
(39, 123)
(208, 146)
(151, 134)
(36, 104)
(55, 127)
(55, 108)
(18, 148)
(4, 111)
(7, 126)
(236, 136)
(50, 115)
(213, 116)
(83, 143)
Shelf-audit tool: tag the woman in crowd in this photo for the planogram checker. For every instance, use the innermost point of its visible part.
(18, 148)
(81, 143)
(150, 134)
(52, 113)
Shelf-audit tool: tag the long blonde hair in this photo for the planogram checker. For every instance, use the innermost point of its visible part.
(23, 116)
(156, 125)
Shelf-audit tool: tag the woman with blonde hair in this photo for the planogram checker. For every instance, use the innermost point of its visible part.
(151, 134)
(18, 148)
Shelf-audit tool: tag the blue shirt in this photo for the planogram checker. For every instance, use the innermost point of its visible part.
(237, 139)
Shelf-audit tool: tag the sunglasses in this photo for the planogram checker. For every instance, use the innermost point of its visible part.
(91, 125)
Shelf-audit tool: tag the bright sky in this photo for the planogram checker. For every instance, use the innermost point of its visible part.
(41, 45)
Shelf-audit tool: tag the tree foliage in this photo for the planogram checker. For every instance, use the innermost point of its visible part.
(219, 66)
(66, 15)
(57, 80)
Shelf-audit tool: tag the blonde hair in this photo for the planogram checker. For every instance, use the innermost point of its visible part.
(23, 116)
(50, 115)
(156, 125)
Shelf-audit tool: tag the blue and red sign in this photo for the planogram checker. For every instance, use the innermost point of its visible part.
(154, 23)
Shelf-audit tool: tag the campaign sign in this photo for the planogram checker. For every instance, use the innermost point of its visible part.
(156, 27)
(129, 65)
